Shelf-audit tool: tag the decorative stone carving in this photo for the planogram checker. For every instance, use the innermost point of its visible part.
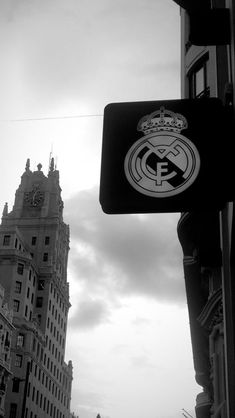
(212, 313)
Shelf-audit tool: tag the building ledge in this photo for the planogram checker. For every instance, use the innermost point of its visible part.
(203, 405)
(201, 231)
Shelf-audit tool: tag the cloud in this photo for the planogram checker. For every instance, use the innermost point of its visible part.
(73, 52)
(89, 313)
(88, 403)
(117, 256)
(142, 362)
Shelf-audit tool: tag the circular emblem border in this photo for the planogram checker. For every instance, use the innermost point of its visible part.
(177, 190)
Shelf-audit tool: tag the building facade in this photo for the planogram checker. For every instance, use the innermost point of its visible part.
(6, 329)
(34, 245)
(208, 71)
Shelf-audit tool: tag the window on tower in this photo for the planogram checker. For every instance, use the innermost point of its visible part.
(20, 340)
(20, 268)
(6, 239)
(18, 360)
(33, 393)
(47, 240)
(41, 284)
(37, 395)
(16, 305)
(34, 240)
(18, 286)
(34, 344)
(15, 385)
(39, 302)
(45, 257)
(13, 409)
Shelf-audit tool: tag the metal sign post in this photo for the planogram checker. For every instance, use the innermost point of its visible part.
(228, 287)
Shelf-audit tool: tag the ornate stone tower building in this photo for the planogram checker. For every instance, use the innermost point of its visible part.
(34, 245)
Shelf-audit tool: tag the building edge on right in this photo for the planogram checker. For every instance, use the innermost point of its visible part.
(209, 71)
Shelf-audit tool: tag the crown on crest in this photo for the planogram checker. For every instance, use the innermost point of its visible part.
(162, 120)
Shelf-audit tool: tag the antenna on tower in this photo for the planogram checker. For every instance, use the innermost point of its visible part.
(186, 412)
(50, 157)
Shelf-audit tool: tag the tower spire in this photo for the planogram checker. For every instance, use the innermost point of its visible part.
(50, 159)
(27, 167)
(52, 165)
(5, 210)
(39, 166)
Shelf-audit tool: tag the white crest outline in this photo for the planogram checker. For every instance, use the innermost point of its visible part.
(142, 178)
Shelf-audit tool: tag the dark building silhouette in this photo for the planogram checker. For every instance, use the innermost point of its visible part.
(34, 245)
(207, 70)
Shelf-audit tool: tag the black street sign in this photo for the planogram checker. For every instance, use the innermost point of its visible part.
(166, 156)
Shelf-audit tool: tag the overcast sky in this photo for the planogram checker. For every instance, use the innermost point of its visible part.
(62, 62)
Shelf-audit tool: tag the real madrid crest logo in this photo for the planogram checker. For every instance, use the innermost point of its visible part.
(163, 163)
